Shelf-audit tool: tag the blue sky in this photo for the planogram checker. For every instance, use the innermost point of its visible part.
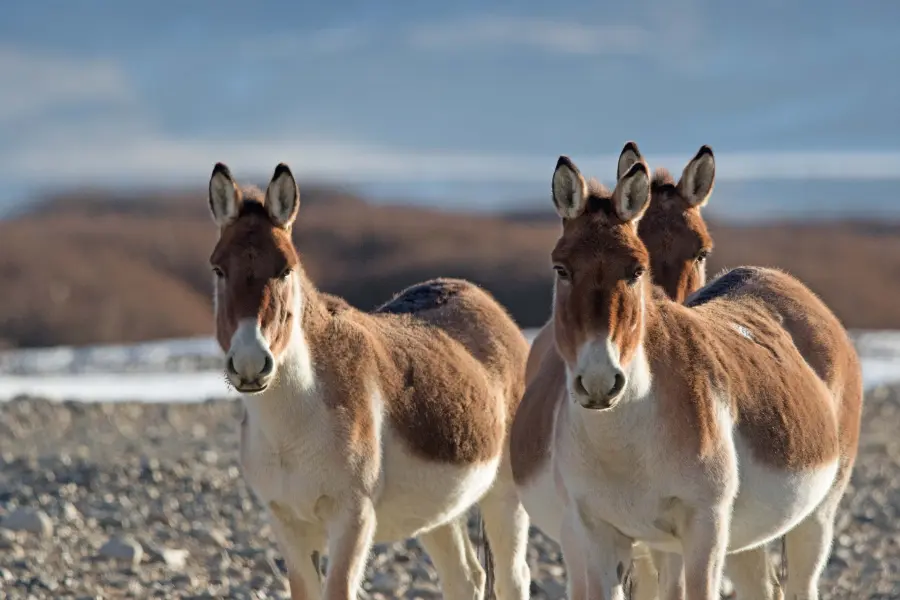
(466, 104)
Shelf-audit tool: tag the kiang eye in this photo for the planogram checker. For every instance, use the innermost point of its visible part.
(561, 272)
(285, 273)
(218, 272)
(636, 275)
(702, 255)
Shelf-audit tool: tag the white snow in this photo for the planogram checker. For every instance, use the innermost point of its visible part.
(119, 387)
(164, 371)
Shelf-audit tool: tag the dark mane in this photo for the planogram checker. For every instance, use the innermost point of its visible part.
(662, 178)
(253, 203)
(599, 198)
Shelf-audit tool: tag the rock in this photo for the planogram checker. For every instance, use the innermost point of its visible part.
(32, 521)
(183, 581)
(218, 563)
(124, 549)
(175, 558)
(213, 537)
(71, 514)
(8, 540)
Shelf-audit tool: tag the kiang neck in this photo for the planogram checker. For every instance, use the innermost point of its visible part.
(297, 365)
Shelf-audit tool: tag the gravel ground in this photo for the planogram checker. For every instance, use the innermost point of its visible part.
(146, 501)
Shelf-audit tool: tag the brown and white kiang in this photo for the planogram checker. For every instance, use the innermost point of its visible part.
(676, 236)
(700, 430)
(366, 427)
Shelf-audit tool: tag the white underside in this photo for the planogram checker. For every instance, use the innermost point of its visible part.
(638, 500)
(770, 501)
(310, 477)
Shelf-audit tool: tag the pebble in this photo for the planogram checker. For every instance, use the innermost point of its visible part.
(175, 558)
(157, 483)
(30, 520)
(124, 549)
(213, 537)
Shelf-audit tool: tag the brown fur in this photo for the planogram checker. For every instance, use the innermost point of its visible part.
(253, 253)
(698, 358)
(675, 234)
(450, 372)
(668, 228)
(597, 299)
(814, 331)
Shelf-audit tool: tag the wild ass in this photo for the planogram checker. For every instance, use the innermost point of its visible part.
(676, 236)
(366, 427)
(656, 405)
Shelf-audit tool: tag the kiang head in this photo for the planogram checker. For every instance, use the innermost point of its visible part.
(672, 228)
(257, 292)
(601, 271)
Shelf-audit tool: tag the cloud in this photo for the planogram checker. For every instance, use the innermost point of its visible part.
(561, 37)
(116, 153)
(329, 41)
(31, 83)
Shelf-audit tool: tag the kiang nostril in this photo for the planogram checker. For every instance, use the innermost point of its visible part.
(618, 384)
(579, 386)
(268, 366)
(230, 365)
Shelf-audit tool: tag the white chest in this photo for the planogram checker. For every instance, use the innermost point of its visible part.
(297, 467)
(618, 469)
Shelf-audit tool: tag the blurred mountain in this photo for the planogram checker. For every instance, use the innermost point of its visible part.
(93, 267)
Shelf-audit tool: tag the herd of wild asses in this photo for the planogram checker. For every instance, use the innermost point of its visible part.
(661, 428)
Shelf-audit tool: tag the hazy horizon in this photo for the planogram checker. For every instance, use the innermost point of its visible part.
(456, 106)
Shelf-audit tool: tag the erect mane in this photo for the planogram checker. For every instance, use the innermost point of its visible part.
(253, 202)
(595, 188)
(661, 177)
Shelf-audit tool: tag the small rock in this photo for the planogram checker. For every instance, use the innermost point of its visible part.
(70, 513)
(7, 539)
(213, 537)
(218, 562)
(175, 558)
(124, 549)
(383, 582)
(183, 581)
(32, 521)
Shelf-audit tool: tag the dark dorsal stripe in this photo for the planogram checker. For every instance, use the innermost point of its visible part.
(421, 297)
(721, 286)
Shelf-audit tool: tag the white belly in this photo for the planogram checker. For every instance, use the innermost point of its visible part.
(418, 495)
(411, 495)
(647, 500)
(771, 501)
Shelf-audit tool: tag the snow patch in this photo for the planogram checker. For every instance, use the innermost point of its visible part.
(189, 370)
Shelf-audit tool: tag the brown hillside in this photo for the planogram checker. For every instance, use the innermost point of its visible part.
(96, 269)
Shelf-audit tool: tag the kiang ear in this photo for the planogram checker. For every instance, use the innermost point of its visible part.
(283, 197)
(570, 190)
(632, 194)
(224, 196)
(630, 155)
(698, 178)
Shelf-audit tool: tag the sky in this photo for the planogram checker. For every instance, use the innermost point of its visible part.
(464, 104)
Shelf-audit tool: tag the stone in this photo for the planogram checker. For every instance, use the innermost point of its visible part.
(175, 558)
(125, 549)
(32, 521)
(213, 537)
